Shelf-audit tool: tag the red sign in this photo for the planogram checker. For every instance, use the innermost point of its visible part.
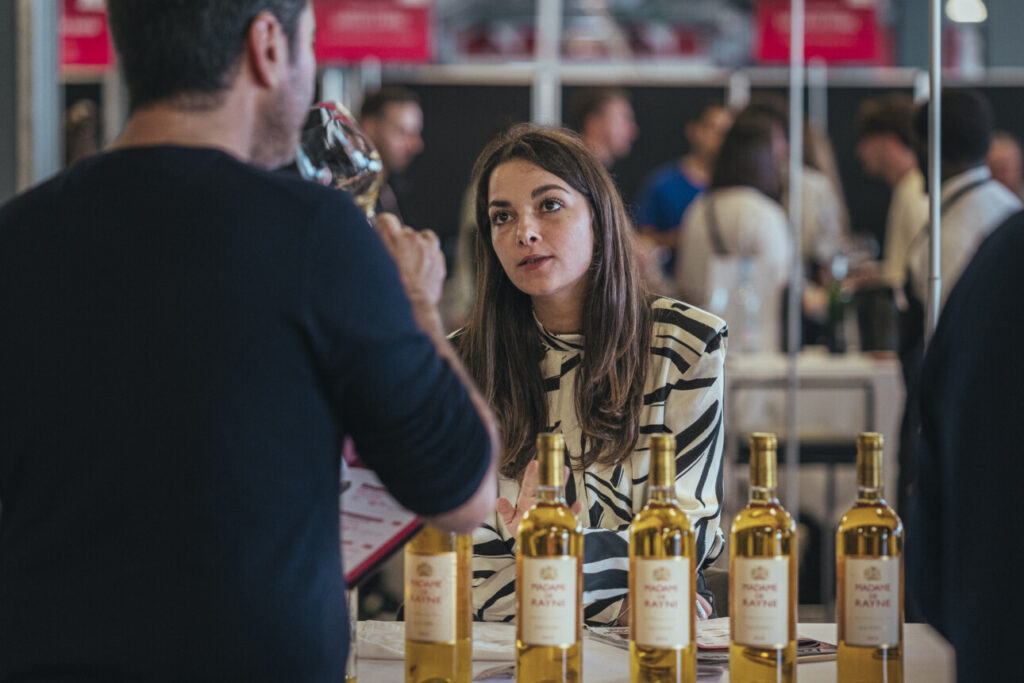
(84, 36)
(388, 30)
(838, 31)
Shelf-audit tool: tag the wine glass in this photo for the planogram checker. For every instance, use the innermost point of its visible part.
(333, 151)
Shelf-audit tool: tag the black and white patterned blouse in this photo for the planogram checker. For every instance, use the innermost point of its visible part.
(683, 397)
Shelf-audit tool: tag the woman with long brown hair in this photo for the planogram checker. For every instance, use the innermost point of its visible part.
(563, 337)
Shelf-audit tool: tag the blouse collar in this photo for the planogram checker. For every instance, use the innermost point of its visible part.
(558, 342)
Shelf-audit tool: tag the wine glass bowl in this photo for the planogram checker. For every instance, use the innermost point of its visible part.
(333, 151)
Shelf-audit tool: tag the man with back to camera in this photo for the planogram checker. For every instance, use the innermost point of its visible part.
(393, 120)
(886, 151)
(190, 337)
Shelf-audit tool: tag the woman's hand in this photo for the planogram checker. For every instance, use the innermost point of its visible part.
(418, 257)
(703, 608)
(513, 514)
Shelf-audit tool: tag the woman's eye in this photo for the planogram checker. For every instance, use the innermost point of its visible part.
(499, 217)
(550, 204)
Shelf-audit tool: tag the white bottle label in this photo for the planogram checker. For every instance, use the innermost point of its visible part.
(549, 605)
(760, 603)
(430, 597)
(871, 612)
(662, 603)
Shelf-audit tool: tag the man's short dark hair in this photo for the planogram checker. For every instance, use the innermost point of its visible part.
(589, 101)
(966, 126)
(889, 115)
(375, 103)
(188, 49)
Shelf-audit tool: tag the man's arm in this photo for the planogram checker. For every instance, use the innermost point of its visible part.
(421, 268)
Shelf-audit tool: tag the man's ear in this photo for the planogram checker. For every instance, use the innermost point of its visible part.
(266, 49)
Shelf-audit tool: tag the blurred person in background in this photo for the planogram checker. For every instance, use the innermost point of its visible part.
(972, 205)
(973, 202)
(740, 217)
(1005, 161)
(886, 151)
(564, 337)
(669, 189)
(393, 120)
(189, 336)
(822, 208)
(604, 119)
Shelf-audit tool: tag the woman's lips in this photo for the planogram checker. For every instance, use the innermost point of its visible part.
(534, 262)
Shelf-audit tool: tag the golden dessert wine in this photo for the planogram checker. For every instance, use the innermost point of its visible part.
(439, 607)
(869, 578)
(549, 578)
(762, 577)
(662, 579)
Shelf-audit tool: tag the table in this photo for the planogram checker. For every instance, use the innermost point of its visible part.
(928, 659)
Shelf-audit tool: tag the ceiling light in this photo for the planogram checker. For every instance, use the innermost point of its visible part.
(966, 11)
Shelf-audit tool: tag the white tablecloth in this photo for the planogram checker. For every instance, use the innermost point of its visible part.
(928, 659)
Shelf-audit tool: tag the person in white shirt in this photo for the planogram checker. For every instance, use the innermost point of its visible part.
(886, 151)
(739, 216)
(973, 203)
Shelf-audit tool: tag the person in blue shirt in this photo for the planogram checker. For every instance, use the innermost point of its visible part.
(669, 189)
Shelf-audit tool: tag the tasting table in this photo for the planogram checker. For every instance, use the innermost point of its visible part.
(928, 659)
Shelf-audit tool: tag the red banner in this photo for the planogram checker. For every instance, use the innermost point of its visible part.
(388, 30)
(838, 31)
(84, 36)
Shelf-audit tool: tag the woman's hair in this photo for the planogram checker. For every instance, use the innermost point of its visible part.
(747, 157)
(501, 345)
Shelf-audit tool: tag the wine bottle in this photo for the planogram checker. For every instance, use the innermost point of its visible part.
(549, 577)
(762, 577)
(662, 578)
(869, 577)
(438, 608)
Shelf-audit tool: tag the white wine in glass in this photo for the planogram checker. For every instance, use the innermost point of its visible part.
(334, 151)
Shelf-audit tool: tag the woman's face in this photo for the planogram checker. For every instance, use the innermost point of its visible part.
(541, 231)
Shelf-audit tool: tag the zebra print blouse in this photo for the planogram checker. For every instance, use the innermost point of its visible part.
(683, 397)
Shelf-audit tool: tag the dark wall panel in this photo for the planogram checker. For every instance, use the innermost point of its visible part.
(458, 122)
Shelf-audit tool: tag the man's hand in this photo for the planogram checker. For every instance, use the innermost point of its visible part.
(418, 257)
(513, 514)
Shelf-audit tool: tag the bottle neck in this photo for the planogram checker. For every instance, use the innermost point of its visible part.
(550, 494)
(662, 494)
(869, 494)
(763, 494)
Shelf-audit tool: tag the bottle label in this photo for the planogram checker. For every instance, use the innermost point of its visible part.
(549, 606)
(760, 603)
(662, 602)
(871, 610)
(430, 597)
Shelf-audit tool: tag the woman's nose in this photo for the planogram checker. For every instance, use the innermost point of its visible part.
(528, 232)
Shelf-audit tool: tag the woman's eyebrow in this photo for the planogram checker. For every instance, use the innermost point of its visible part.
(544, 188)
(500, 202)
